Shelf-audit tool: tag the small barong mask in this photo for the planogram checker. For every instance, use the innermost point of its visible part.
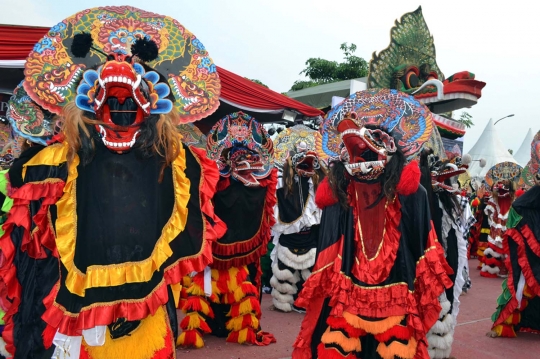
(305, 162)
(241, 148)
(444, 174)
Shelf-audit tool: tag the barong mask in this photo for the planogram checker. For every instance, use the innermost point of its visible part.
(503, 178)
(122, 95)
(242, 148)
(367, 129)
(305, 162)
(444, 174)
(365, 152)
(123, 65)
(300, 147)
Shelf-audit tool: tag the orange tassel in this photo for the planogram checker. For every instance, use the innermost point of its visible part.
(346, 344)
(397, 349)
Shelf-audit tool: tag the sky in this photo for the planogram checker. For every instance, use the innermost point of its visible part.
(271, 40)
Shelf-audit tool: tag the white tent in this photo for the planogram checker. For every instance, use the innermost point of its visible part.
(523, 155)
(489, 147)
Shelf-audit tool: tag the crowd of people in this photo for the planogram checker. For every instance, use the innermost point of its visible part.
(119, 213)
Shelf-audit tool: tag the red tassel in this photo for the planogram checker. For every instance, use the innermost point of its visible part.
(399, 332)
(193, 304)
(331, 353)
(410, 179)
(341, 323)
(324, 196)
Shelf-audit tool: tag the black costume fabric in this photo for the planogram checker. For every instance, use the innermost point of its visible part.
(522, 243)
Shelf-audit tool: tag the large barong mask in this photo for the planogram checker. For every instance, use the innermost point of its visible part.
(368, 127)
(122, 64)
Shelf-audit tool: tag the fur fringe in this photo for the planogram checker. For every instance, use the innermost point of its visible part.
(284, 307)
(295, 261)
(283, 287)
(285, 274)
(283, 298)
(306, 273)
(490, 251)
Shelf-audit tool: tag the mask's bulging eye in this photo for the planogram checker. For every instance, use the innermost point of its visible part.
(410, 78)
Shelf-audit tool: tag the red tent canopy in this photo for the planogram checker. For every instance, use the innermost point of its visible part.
(17, 41)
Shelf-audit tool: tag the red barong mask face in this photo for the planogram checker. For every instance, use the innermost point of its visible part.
(122, 102)
(122, 94)
(502, 189)
(244, 164)
(366, 152)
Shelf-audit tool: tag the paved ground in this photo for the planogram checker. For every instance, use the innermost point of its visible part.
(470, 341)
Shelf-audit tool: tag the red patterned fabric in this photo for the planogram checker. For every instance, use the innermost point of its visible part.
(241, 91)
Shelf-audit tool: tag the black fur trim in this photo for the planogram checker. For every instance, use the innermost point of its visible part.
(81, 44)
(144, 49)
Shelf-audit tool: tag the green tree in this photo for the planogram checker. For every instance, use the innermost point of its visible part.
(257, 82)
(321, 71)
(466, 119)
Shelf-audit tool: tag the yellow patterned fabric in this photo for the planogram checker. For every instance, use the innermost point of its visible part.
(66, 228)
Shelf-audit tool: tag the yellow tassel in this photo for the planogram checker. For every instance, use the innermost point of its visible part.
(397, 349)
(232, 284)
(142, 343)
(194, 321)
(195, 289)
(235, 324)
(215, 288)
(239, 294)
(244, 308)
(186, 281)
(176, 289)
(498, 329)
(372, 327)
(215, 274)
(336, 337)
(527, 293)
(199, 342)
(242, 336)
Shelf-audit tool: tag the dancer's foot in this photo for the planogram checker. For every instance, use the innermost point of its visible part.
(491, 334)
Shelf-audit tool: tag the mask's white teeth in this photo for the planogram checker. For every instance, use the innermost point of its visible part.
(98, 102)
(102, 132)
(101, 82)
(137, 83)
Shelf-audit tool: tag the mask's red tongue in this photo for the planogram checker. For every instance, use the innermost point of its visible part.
(354, 144)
